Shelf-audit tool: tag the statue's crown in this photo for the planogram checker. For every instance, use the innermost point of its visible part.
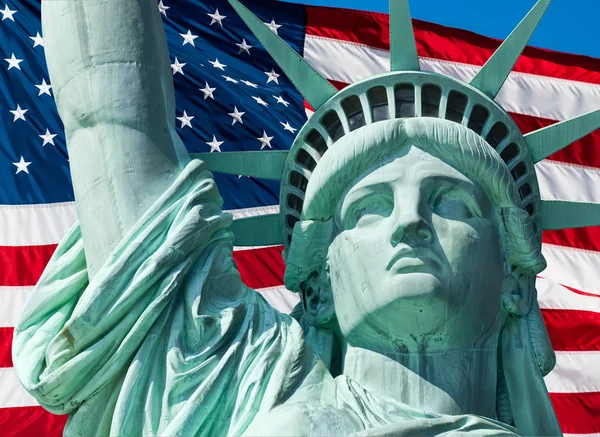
(404, 92)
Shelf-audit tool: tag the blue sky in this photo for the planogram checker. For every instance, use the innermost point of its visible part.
(565, 27)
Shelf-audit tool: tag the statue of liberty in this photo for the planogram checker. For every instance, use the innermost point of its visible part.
(411, 222)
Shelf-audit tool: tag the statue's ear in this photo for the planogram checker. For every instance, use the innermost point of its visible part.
(317, 299)
(518, 290)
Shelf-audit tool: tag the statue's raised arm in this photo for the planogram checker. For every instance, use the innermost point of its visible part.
(109, 66)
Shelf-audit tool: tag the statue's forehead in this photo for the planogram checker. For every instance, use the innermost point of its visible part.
(410, 165)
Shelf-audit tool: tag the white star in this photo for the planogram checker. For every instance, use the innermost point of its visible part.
(7, 13)
(177, 67)
(185, 120)
(19, 113)
(272, 77)
(207, 91)
(230, 79)
(265, 141)
(260, 101)
(273, 26)
(44, 88)
(253, 85)
(244, 47)
(214, 144)
(37, 40)
(188, 38)
(216, 18)
(217, 64)
(236, 115)
(48, 138)
(13, 62)
(280, 100)
(162, 8)
(286, 126)
(21, 166)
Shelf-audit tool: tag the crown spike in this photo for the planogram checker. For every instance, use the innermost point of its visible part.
(559, 214)
(266, 164)
(403, 48)
(492, 75)
(546, 141)
(260, 230)
(314, 87)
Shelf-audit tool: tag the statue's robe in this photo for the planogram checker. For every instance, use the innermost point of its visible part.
(166, 340)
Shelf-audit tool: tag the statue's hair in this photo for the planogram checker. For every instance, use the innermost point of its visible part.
(359, 152)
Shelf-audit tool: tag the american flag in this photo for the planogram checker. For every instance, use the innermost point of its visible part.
(232, 96)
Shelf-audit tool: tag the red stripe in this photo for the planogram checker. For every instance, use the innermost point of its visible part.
(577, 413)
(446, 43)
(580, 238)
(6, 336)
(573, 330)
(23, 265)
(31, 422)
(261, 268)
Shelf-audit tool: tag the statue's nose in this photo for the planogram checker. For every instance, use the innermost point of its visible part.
(410, 227)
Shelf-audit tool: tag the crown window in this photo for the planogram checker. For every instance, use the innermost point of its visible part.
(378, 102)
(405, 100)
(479, 116)
(455, 109)
(354, 112)
(430, 100)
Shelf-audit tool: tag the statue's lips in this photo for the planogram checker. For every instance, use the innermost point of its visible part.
(417, 259)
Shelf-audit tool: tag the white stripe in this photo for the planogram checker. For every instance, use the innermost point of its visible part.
(552, 295)
(575, 372)
(252, 212)
(562, 181)
(540, 96)
(42, 224)
(12, 393)
(596, 434)
(280, 298)
(12, 300)
(573, 267)
(35, 225)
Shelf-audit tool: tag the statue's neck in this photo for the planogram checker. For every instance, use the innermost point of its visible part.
(456, 382)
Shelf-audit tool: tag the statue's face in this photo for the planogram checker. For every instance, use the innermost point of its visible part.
(417, 262)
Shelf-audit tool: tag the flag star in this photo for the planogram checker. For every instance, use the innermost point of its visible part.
(265, 141)
(48, 138)
(214, 144)
(44, 88)
(19, 113)
(272, 76)
(230, 79)
(217, 64)
(273, 26)
(286, 126)
(280, 100)
(162, 8)
(185, 120)
(188, 38)
(244, 47)
(7, 13)
(37, 40)
(13, 62)
(177, 67)
(216, 18)
(253, 85)
(22, 166)
(236, 115)
(260, 101)
(208, 91)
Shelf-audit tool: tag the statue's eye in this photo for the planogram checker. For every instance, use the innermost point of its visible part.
(369, 208)
(454, 203)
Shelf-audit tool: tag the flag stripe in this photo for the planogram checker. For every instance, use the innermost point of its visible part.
(572, 373)
(12, 300)
(440, 42)
(5, 347)
(572, 267)
(31, 421)
(552, 295)
(577, 413)
(574, 331)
